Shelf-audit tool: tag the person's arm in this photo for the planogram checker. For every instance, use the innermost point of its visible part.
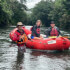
(37, 38)
(59, 31)
(29, 36)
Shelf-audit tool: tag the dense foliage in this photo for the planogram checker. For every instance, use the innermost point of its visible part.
(12, 11)
(41, 11)
(47, 10)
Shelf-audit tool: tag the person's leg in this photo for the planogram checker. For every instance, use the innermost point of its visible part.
(22, 49)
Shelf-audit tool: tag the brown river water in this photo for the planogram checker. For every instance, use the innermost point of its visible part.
(10, 59)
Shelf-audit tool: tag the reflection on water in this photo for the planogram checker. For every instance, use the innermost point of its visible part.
(19, 62)
(11, 59)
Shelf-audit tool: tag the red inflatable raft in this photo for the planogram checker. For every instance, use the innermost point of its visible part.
(45, 44)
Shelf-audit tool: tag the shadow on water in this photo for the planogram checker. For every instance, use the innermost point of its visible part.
(50, 54)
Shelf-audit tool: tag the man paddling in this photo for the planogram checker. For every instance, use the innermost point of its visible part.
(36, 31)
(18, 37)
(52, 30)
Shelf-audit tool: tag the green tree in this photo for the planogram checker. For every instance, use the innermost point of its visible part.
(61, 13)
(12, 11)
(47, 10)
(65, 17)
(19, 12)
(41, 11)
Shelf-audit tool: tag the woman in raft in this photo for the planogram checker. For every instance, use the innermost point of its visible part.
(36, 30)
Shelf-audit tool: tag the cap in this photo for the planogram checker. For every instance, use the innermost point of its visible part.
(52, 22)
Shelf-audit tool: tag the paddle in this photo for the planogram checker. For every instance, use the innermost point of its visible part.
(58, 36)
(66, 36)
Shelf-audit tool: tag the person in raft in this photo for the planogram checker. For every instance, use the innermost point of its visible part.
(18, 37)
(53, 30)
(36, 30)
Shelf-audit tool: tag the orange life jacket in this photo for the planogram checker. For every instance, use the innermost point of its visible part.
(24, 39)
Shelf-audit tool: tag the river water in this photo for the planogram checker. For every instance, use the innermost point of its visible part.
(10, 59)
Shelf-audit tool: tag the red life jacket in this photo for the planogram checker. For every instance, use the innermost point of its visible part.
(35, 31)
(54, 32)
(17, 36)
(38, 30)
